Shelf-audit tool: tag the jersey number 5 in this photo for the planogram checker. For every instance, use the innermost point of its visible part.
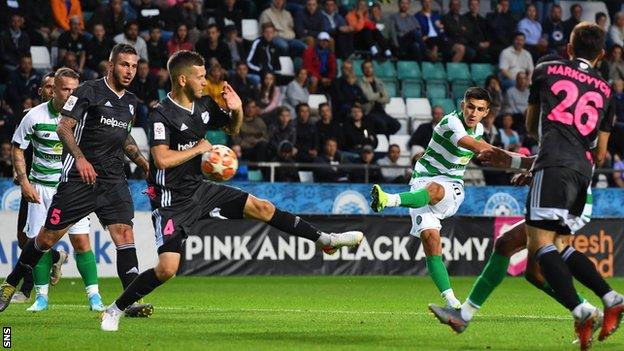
(583, 107)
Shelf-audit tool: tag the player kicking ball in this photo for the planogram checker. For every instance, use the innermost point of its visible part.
(178, 193)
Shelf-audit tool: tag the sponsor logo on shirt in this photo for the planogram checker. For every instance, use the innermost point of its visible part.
(113, 122)
(190, 144)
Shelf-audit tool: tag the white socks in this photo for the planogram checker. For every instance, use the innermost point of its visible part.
(450, 298)
(92, 290)
(113, 309)
(468, 309)
(611, 298)
(42, 290)
(394, 200)
(323, 240)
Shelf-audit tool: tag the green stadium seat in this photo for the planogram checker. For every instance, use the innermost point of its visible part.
(217, 137)
(458, 71)
(357, 68)
(433, 71)
(436, 90)
(254, 175)
(447, 105)
(458, 89)
(411, 89)
(408, 70)
(161, 94)
(480, 71)
(391, 86)
(384, 69)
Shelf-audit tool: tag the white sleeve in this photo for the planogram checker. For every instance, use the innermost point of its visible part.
(24, 132)
(458, 129)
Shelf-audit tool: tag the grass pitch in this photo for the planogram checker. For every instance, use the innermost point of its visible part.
(301, 313)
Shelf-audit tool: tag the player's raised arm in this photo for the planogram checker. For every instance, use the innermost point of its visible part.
(235, 105)
(131, 149)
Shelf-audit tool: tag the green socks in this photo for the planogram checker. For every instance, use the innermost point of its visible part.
(85, 261)
(491, 277)
(41, 272)
(415, 199)
(437, 272)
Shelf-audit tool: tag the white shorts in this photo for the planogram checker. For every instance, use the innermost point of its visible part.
(428, 217)
(37, 213)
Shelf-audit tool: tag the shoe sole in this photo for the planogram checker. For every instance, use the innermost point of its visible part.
(458, 329)
(143, 312)
(54, 279)
(602, 336)
(375, 199)
(587, 324)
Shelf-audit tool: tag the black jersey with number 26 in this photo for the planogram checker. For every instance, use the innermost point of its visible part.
(180, 128)
(575, 103)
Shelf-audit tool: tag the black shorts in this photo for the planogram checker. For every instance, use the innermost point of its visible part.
(557, 196)
(111, 202)
(172, 224)
(22, 215)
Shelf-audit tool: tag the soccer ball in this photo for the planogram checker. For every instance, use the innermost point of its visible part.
(220, 164)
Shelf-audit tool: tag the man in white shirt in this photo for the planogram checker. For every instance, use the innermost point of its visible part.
(515, 59)
(616, 33)
(393, 175)
(131, 37)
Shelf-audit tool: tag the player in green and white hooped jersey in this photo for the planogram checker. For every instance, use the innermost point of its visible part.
(39, 128)
(437, 181)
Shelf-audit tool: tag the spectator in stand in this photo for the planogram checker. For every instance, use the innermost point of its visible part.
(270, 95)
(214, 84)
(358, 131)
(347, 92)
(513, 60)
(367, 36)
(377, 98)
(436, 45)
(493, 86)
(297, 90)
(307, 136)
(98, 48)
(235, 44)
(337, 27)
(180, 40)
(74, 41)
(131, 37)
(330, 156)
(616, 32)
(422, 134)
(6, 163)
(264, 55)
(601, 21)
(517, 97)
(254, 135)
(576, 14)
(112, 16)
(149, 15)
(286, 154)
(188, 12)
(393, 175)
(212, 47)
(616, 63)
(502, 27)
(366, 157)
(456, 31)
(242, 84)
(508, 136)
(532, 30)
(618, 166)
(381, 21)
(405, 34)
(284, 129)
(309, 22)
(477, 32)
(145, 87)
(158, 55)
(320, 62)
(229, 13)
(490, 133)
(22, 84)
(64, 10)
(327, 128)
(618, 99)
(14, 43)
(554, 31)
(284, 24)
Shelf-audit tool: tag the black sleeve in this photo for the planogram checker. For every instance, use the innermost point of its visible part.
(157, 129)
(218, 117)
(79, 102)
(609, 119)
(534, 92)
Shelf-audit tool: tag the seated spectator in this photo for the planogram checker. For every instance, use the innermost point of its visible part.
(158, 55)
(6, 162)
(229, 13)
(74, 41)
(576, 16)
(337, 27)
(618, 166)
(307, 140)
(330, 156)
(180, 40)
(423, 133)
(501, 26)
(347, 92)
(509, 137)
(214, 48)
(618, 99)
(358, 131)
(456, 32)
(131, 36)
(63, 11)
(112, 16)
(284, 129)
(214, 85)
(381, 21)
(327, 128)
(513, 60)
(254, 134)
(517, 100)
(490, 133)
(284, 24)
(477, 32)
(187, 12)
(432, 30)
(366, 157)
(616, 63)
(244, 86)
(14, 43)
(270, 94)
(320, 62)
(393, 175)
(309, 22)
(616, 32)
(264, 55)
(405, 34)
(297, 90)
(22, 84)
(554, 31)
(601, 21)
(493, 86)
(149, 15)
(98, 48)
(367, 36)
(235, 45)
(145, 87)
(376, 99)
(286, 154)
(532, 30)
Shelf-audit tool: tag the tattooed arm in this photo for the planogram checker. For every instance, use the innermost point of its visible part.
(131, 149)
(65, 132)
(29, 193)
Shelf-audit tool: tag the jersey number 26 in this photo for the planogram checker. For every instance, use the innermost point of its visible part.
(583, 107)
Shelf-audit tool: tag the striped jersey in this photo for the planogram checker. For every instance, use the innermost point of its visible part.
(39, 128)
(444, 157)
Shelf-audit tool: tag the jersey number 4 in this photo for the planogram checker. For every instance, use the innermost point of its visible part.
(583, 107)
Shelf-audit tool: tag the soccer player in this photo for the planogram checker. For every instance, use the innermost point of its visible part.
(178, 193)
(38, 128)
(95, 133)
(437, 181)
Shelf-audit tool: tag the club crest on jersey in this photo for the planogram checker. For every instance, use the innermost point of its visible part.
(70, 103)
(131, 108)
(205, 117)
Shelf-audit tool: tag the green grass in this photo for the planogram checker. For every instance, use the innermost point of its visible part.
(301, 313)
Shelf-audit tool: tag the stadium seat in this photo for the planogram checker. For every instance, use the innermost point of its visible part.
(416, 122)
(396, 108)
(402, 141)
(140, 137)
(391, 87)
(447, 104)
(411, 89)
(384, 69)
(459, 88)
(480, 71)
(288, 66)
(250, 29)
(458, 71)
(40, 57)
(314, 100)
(404, 125)
(254, 175)
(161, 94)
(357, 67)
(86, 16)
(306, 176)
(382, 143)
(418, 108)
(217, 137)
(408, 70)
(436, 90)
(433, 71)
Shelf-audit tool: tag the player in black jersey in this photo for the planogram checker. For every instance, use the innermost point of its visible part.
(180, 196)
(95, 132)
(571, 112)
